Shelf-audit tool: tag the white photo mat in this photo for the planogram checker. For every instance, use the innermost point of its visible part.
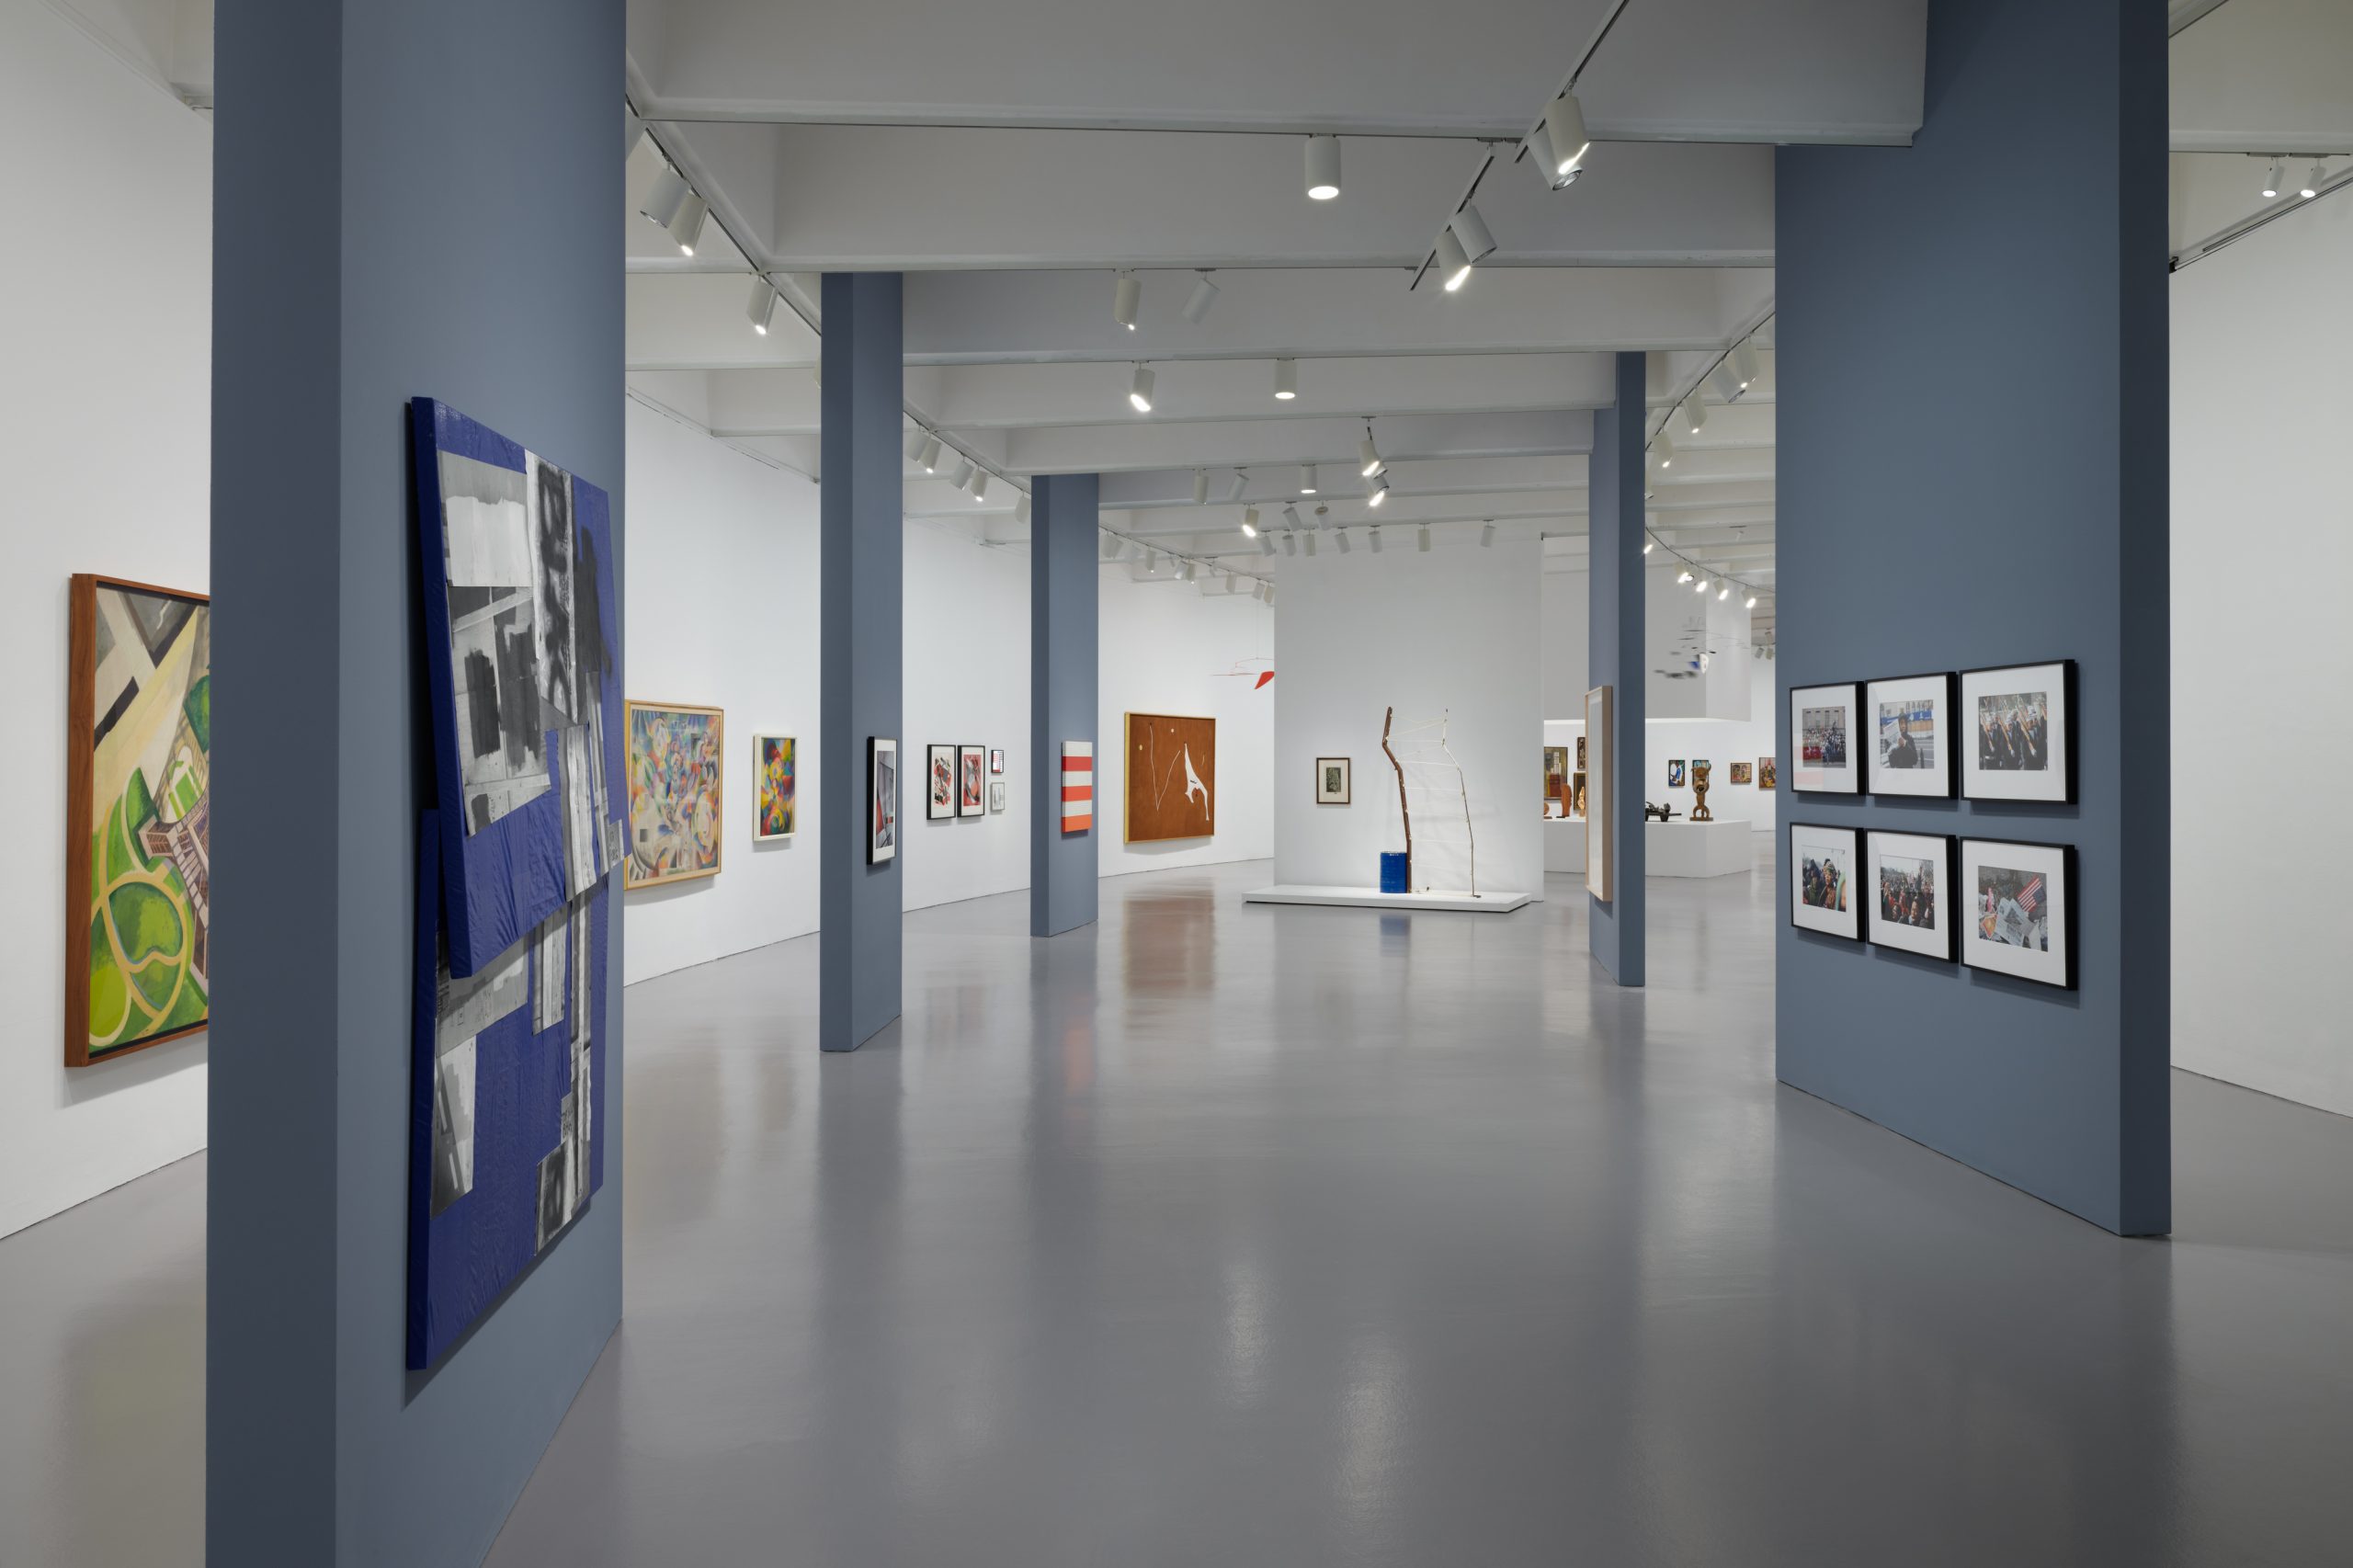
(2016, 909)
(1827, 721)
(1916, 869)
(1908, 728)
(1826, 862)
(2017, 733)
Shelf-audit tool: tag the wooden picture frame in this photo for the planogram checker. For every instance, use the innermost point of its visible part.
(632, 878)
(187, 839)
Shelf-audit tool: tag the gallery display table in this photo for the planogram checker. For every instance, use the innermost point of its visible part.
(1372, 898)
(1564, 845)
(1687, 849)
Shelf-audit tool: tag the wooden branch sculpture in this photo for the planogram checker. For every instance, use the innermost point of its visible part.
(1404, 811)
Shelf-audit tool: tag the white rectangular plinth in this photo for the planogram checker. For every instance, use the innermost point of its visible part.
(1686, 849)
(1370, 898)
(1564, 845)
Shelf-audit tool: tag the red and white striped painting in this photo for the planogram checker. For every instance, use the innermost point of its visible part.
(1078, 786)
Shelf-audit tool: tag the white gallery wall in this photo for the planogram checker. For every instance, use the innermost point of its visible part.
(1167, 647)
(2262, 548)
(721, 612)
(966, 683)
(106, 435)
(1459, 631)
(1566, 641)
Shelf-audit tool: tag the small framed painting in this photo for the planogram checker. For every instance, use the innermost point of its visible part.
(1332, 781)
(1675, 773)
(774, 771)
(972, 793)
(1911, 721)
(1078, 786)
(1598, 864)
(997, 794)
(2021, 719)
(1739, 773)
(881, 800)
(1910, 880)
(939, 782)
(2021, 916)
(1576, 794)
(996, 759)
(1580, 753)
(1822, 728)
(1767, 770)
(676, 789)
(1822, 881)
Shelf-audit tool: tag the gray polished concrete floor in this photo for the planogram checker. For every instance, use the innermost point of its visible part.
(1286, 1236)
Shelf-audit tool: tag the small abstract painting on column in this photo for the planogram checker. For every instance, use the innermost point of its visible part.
(1078, 786)
(676, 788)
(881, 800)
(1171, 770)
(138, 811)
(775, 771)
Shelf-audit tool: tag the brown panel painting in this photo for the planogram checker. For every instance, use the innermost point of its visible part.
(1172, 777)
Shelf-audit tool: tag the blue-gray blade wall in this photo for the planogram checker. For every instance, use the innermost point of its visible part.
(410, 197)
(1614, 658)
(862, 527)
(1972, 384)
(1064, 599)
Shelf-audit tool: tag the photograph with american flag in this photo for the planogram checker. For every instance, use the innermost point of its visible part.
(2016, 911)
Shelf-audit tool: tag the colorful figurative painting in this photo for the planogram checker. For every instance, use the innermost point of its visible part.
(1740, 773)
(773, 764)
(139, 809)
(1767, 769)
(675, 786)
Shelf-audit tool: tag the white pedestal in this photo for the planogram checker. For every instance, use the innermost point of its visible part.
(1370, 898)
(1564, 845)
(1687, 849)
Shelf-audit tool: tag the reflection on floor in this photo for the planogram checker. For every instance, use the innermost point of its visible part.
(1217, 1234)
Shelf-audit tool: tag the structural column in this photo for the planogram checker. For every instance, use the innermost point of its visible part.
(1614, 657)
(465, 253)
(860, 657)
(1064, 645)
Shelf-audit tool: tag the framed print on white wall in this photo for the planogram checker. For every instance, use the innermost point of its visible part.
(1824, 891)
(1908, 880)
(1332, 781)
(2020, 920)
(1909, 720)
(971, 796)
(939, 782)
(2019, 732)
(1823, 736)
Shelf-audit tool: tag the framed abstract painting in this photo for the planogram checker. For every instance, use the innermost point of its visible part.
(881, 800)
(138, 816)
(676, 789)
(939, 782)
(775, 772)
(1078, 786)
(972, 790)
(1172, 774)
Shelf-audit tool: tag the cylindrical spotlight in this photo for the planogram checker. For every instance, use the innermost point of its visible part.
(1291, 516)
(1471, 229)
(1724, 592)
(1249, 522)
(1323, 168)
(2311, 188)
(686, 227)
(1340, 536)
(1564, 129)
(1265, 544)
(2274, 179)
(1695, 415)
(1307, 479)
(761, 308)
(1233, 489)
(1200, 487)
(1663, 449)
(1021, 507)
(1422, 540)
(1126, 294)
(1111, 547)
(1377, 492)
(964, 472)
(1270, 596)
(1683, 576)
(1700, 586)
(1376, 538)
(929, 462)
(915, 438)
(1311, 544)
(980, 485)
(1140, 389)
(1726, 381)
(1487, 537)
(1649, 545)
(1453, 265)
(1197, 303)
(1752, 601)
(1368, 454)
(1188, 571)
(1285, 380)
(1744, 362)
(1290, 545)
(632, 130)
(669, 193)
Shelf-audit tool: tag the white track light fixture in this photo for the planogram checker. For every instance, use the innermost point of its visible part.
(1285, 380)
(1270, 596)
(1112, 545)
(1368, 455)
(1021, 508)
(929, 462)
(1290, 545)
(1341, 535)
(1700, 586)
(1265, 544)
(686, 227)
(915, 438)
(1200, 487)
(1233, 491)
(1695, 415)
(1188, 571)
(1422, 539)
(2275, 178)
(980, 486)
(1307, 479)
(1291, 516)
(1151, 562)
(632, 131)
(1376, 538)
(1478, 242)
(1726, 379)
(964, 472)
(1140, 390)
(1249, 522)
(1311, 546)
(1664, 449)
(1752, 601)
(1488, 536)
(1724, 592)
(1649, 545)
(1683, 576)
(1566, 139)
(1204, 295)
(1323, 168)
(2311, 188)
(1377, 492)
(1453, 265)
(1127, 296)
(1743, 363)
(669, 193)
(761, 308)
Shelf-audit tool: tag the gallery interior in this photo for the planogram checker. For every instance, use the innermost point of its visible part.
(1343, 782)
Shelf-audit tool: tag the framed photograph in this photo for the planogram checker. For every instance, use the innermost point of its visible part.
(2021, 723)
(1675, 773)
(1333, 775)
(997, 794)
(939, 782)
(881, 800)
(1909, 876)
(971, 797)
(1822, 729)
(138, 816)
(1581, 768)
(1556, 774)
(1597, 867)
(1767, 771)
(1576, 794)
(2021, 918)
(996, 759)
(1822, 894)
(1172, 777)
(775, 772)
(676, 785)
(1739, 774)
(1911, 724)
(1078, 786)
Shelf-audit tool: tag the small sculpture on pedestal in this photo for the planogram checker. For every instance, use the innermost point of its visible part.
(1656, 814)
(1700, 812)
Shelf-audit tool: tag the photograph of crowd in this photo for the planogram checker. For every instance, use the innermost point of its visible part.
(1822, 736)
(2013, 908)
(2014, 733)
(1907, 892)
(1907, 734)
(1825, 874)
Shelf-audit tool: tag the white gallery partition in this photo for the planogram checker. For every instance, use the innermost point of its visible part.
(2262, 549)
(967, 683)
(1453, 631)
(105, 419)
